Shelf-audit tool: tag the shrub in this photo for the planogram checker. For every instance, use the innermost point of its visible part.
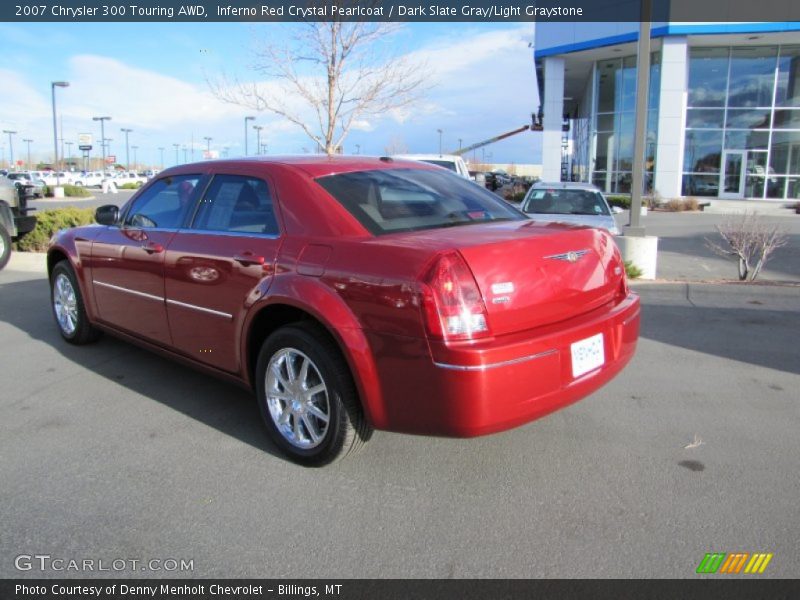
(682, 204)
(129, 186)
(619, 200)
(691, 203)
(632, 271)
(74, 191)
(747, 238)
(50, 221)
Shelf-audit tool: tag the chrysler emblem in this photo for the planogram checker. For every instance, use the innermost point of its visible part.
(571, 256)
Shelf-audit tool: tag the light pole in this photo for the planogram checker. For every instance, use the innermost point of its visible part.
(10, 147)
(29, 152)
(185, 157)
(208, 146)
(135, 148)
(459, 143)
(69, 152)
(161, 150)
(177, 158)
(358, 148)
(246, 119)
(440, 141)
(127, 155)
(53, 86)
(258, 129)
(225, 151)
(102, 140)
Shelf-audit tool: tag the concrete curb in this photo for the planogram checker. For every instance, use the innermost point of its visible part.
(29, 262)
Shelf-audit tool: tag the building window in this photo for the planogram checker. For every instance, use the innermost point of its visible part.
(743, 122)
(614, 123)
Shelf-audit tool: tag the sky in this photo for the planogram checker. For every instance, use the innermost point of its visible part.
(153, 78)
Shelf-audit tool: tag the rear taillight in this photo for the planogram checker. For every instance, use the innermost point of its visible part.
(452, 303)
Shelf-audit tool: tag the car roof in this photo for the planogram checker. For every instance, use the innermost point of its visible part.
(566, 185)
(314, 165)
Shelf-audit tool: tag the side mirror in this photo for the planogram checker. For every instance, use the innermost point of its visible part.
(616, 210)
(108, 214)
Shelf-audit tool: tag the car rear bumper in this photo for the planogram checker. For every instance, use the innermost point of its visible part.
(477, 389)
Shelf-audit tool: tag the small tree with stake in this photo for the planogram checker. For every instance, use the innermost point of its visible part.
(332, 75)
(750, 240)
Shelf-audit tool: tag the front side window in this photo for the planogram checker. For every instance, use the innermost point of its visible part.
(387, 201)
(165, 204)
(237, 204)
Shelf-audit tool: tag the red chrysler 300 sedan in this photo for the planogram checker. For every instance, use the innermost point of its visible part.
(352, 294)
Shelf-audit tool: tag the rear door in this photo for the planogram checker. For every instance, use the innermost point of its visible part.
(128, 260)
(219, 265)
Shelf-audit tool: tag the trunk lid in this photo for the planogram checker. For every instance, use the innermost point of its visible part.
(533, 274)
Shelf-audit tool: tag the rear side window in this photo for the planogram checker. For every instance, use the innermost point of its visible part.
(387, 201)
(165, 204)
(564, 202)
(237, 204)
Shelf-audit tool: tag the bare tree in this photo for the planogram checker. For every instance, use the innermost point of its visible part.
(331, 75)
(750, 240)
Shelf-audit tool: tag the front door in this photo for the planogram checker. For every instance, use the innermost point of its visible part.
(732, 175)
(128, 260)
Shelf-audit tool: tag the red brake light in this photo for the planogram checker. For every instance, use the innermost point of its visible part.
(452, 302)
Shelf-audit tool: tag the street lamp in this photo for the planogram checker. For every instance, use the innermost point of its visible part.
(29, 153)
(258, 129)
(246, 119)
(185, 156)
(69, 152)
(177, 158)
(53, 86)
(358, 148)
(208, 146)
(102, 140)
(135, 148)
(161, 151)
(459, 143)
(440, 141)
(10, 146)
(127, 155)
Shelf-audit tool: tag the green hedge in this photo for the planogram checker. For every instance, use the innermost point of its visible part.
(50, 221)
(621, 200)
(72, 191)
(129, 186)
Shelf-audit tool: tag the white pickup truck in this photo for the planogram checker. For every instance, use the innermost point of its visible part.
(452, 162)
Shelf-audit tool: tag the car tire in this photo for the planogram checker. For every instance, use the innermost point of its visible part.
(68, 307)
(5, 247)
(313, 428)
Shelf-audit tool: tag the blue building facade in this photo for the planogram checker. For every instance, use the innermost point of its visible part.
(723, 107)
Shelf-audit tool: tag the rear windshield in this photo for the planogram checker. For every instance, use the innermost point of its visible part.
(388, 201)
(565, 202)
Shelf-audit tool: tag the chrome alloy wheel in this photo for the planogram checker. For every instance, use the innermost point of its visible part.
(65, 304)
(297, 398)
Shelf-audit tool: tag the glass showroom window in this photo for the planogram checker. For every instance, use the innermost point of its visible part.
(615, 116)
(743, 122)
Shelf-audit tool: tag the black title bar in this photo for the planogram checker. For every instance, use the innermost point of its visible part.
(719, 11)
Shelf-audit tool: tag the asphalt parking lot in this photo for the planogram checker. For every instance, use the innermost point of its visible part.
(109, 452)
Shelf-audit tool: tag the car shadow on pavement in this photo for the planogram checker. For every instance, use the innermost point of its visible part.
(214, 402)
(758, 336)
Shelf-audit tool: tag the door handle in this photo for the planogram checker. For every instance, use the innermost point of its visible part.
(248, 258)
(152, 248)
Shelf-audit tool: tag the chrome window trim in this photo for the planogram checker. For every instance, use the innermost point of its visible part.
(248, 234)
(128, 291)
(210, 311)
(505, 363)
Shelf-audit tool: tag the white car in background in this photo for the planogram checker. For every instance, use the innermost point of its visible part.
(453, 162)
(123, 177)
(566, 202)
(89, 179)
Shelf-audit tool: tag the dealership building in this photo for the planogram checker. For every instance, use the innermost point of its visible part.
(723, 107)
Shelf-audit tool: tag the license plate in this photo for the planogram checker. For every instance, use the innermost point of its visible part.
(587, 355)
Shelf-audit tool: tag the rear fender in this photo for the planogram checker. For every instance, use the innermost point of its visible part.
(312, 296)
